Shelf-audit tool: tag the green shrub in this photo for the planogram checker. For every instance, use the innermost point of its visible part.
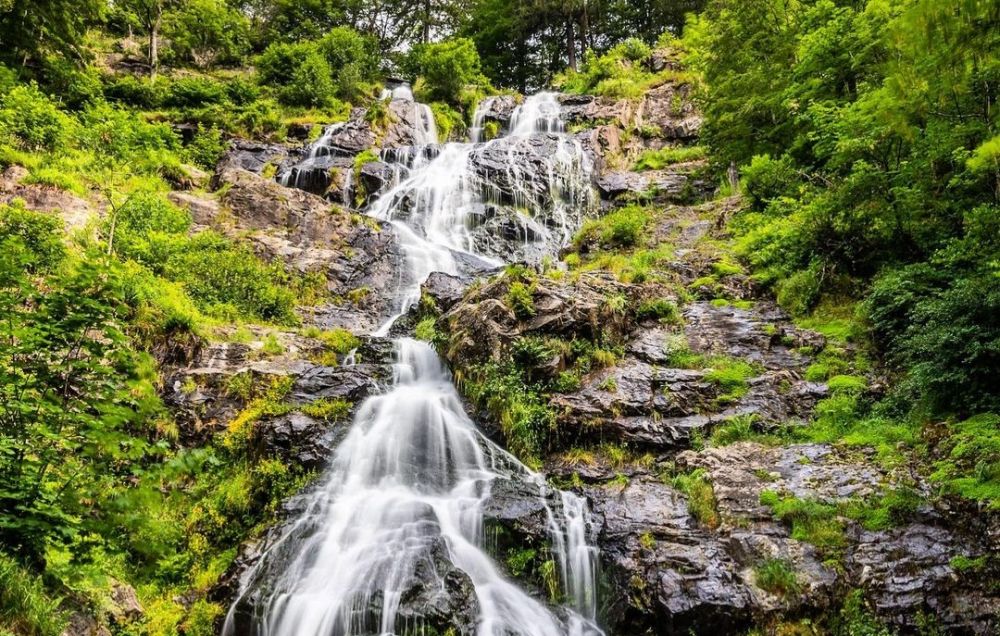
(193, 91)
(139, 92)
(33, 238)
(621, 72)
(624, 227)
(207, 148)
(520, 299)
(33, 120)
(329, 410)
(444, 69)
(206, 32)
(229, 280)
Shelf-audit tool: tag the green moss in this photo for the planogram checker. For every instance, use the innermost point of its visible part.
(272, 346)
(971, 468)
(659, 309)
(731, 376)
(521, 562)
(810, 521)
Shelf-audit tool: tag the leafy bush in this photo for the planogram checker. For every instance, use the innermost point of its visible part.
(811, 521)
(33, 120)
(139, 92)
(229, 280)
(32, 238)
(621, 72)
(207, 148)
(624, 227)
(208, 32)
(191, 91)
(971, 467)
(444, 69)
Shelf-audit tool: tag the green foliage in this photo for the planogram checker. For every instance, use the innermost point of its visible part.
(971, 467)
(868, 173)
(659, 309)
(229, 280)
(207, 148)
(520, 299)
(31, 120)
(621, 72)
(444, 69)
(207, 32)
(329, 410)
(697, 486)
(624, 227)
(777, 576)
(731, 376)
(857, 619)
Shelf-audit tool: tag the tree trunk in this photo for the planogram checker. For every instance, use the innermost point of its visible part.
(154, 42)
(571, 43)
(426, 36)
(585, 35)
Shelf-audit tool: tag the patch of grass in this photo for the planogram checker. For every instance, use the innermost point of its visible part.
(742, 428)
(811, 521)
(658, 159)
(624, 227)
(659, 309)
(892, 509)
(272, 346)
(25, 607)
(338, 340)
(700, 495)
(777, 576)
(731, 376)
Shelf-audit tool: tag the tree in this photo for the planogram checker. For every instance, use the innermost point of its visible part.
(71, 390)
(31, 28)
(208, 32)
(150, 15)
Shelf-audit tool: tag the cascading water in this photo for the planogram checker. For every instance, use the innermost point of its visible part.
(407, 487)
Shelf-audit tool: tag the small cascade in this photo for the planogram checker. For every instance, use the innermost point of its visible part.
(313, 173)
(401, 506)
(539, 113)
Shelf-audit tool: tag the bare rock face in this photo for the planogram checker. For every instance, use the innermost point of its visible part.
(255, 156)
(74, 211)
(681, 183)
(671, 110)
(590, 111)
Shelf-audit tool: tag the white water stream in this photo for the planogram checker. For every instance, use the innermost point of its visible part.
(407, 486)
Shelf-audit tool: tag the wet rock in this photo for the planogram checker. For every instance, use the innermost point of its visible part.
(446, 290)
(410, 124)
(906, 571)
(499, 109)
(298, 439)
(588, 110)
(327, 176)
(353, 138)
(255, 156)
(670, 574)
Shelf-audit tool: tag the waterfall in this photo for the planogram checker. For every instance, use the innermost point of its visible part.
(405, 491)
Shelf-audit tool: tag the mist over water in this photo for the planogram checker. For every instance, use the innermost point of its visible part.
(407, 487)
